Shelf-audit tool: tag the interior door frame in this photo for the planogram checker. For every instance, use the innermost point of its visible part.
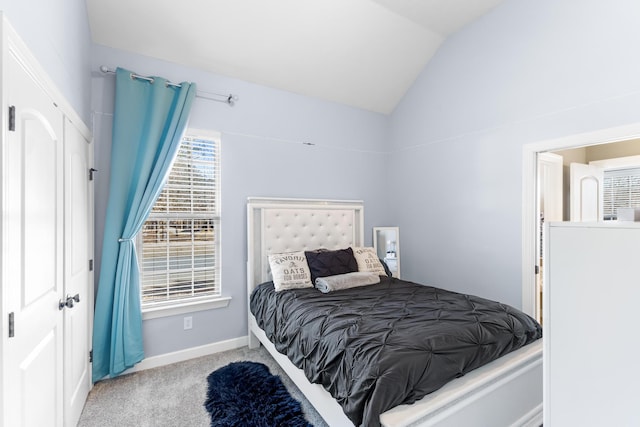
(529, 195)
(550, 182)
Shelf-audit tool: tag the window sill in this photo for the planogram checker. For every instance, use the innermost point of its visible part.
(188, 307)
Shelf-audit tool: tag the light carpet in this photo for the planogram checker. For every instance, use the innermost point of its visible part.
(173, 395)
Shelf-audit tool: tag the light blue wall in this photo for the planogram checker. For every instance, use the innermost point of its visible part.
(528, 71)
(259, 158)
(57, 33)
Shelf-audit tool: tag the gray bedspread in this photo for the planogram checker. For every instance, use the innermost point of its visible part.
(379, 346)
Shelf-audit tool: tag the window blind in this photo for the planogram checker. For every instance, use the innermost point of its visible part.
(180, 239)
(621, 190)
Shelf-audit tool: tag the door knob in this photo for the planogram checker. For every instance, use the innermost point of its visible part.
(69, 301)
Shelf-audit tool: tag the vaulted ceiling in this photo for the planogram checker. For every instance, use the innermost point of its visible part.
(363, 53)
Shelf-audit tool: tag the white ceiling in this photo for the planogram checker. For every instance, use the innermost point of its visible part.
(364, 53)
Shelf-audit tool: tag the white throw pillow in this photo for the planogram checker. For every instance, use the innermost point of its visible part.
(290, 271)
(368, 260)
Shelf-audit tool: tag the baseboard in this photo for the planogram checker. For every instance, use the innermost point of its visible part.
(188, 353)
(532, 419)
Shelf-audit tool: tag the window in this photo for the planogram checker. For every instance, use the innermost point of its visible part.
(621, 190)
(179, 246)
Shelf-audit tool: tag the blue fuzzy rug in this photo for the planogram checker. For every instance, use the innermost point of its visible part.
(245, 394)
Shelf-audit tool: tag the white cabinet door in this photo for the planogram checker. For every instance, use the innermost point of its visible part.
(590, 326)
(33, 254)
(77, 277)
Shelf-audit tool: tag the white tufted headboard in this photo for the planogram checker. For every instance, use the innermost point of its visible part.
(285, 225)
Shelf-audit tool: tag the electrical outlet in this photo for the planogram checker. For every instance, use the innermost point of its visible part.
(188, 323)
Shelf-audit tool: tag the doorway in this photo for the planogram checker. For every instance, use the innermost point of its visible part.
(613, 141)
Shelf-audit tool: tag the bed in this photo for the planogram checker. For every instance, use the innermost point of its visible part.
(507, 391)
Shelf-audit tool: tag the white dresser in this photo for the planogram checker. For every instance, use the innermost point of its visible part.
(591, 307)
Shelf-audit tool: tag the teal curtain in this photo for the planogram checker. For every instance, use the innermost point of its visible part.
(149, 120)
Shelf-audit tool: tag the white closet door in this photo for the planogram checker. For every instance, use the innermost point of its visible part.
(550, 186)
(78, 242)
(33, 246)
(586, 193)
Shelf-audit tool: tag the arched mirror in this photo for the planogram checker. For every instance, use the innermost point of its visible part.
(386, 241)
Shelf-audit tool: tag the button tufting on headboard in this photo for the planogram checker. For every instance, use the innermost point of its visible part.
(289, 229)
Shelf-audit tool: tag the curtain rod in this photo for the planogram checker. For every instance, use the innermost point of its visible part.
(229, 99)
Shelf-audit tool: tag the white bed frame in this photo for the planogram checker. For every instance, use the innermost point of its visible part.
(506, 392)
